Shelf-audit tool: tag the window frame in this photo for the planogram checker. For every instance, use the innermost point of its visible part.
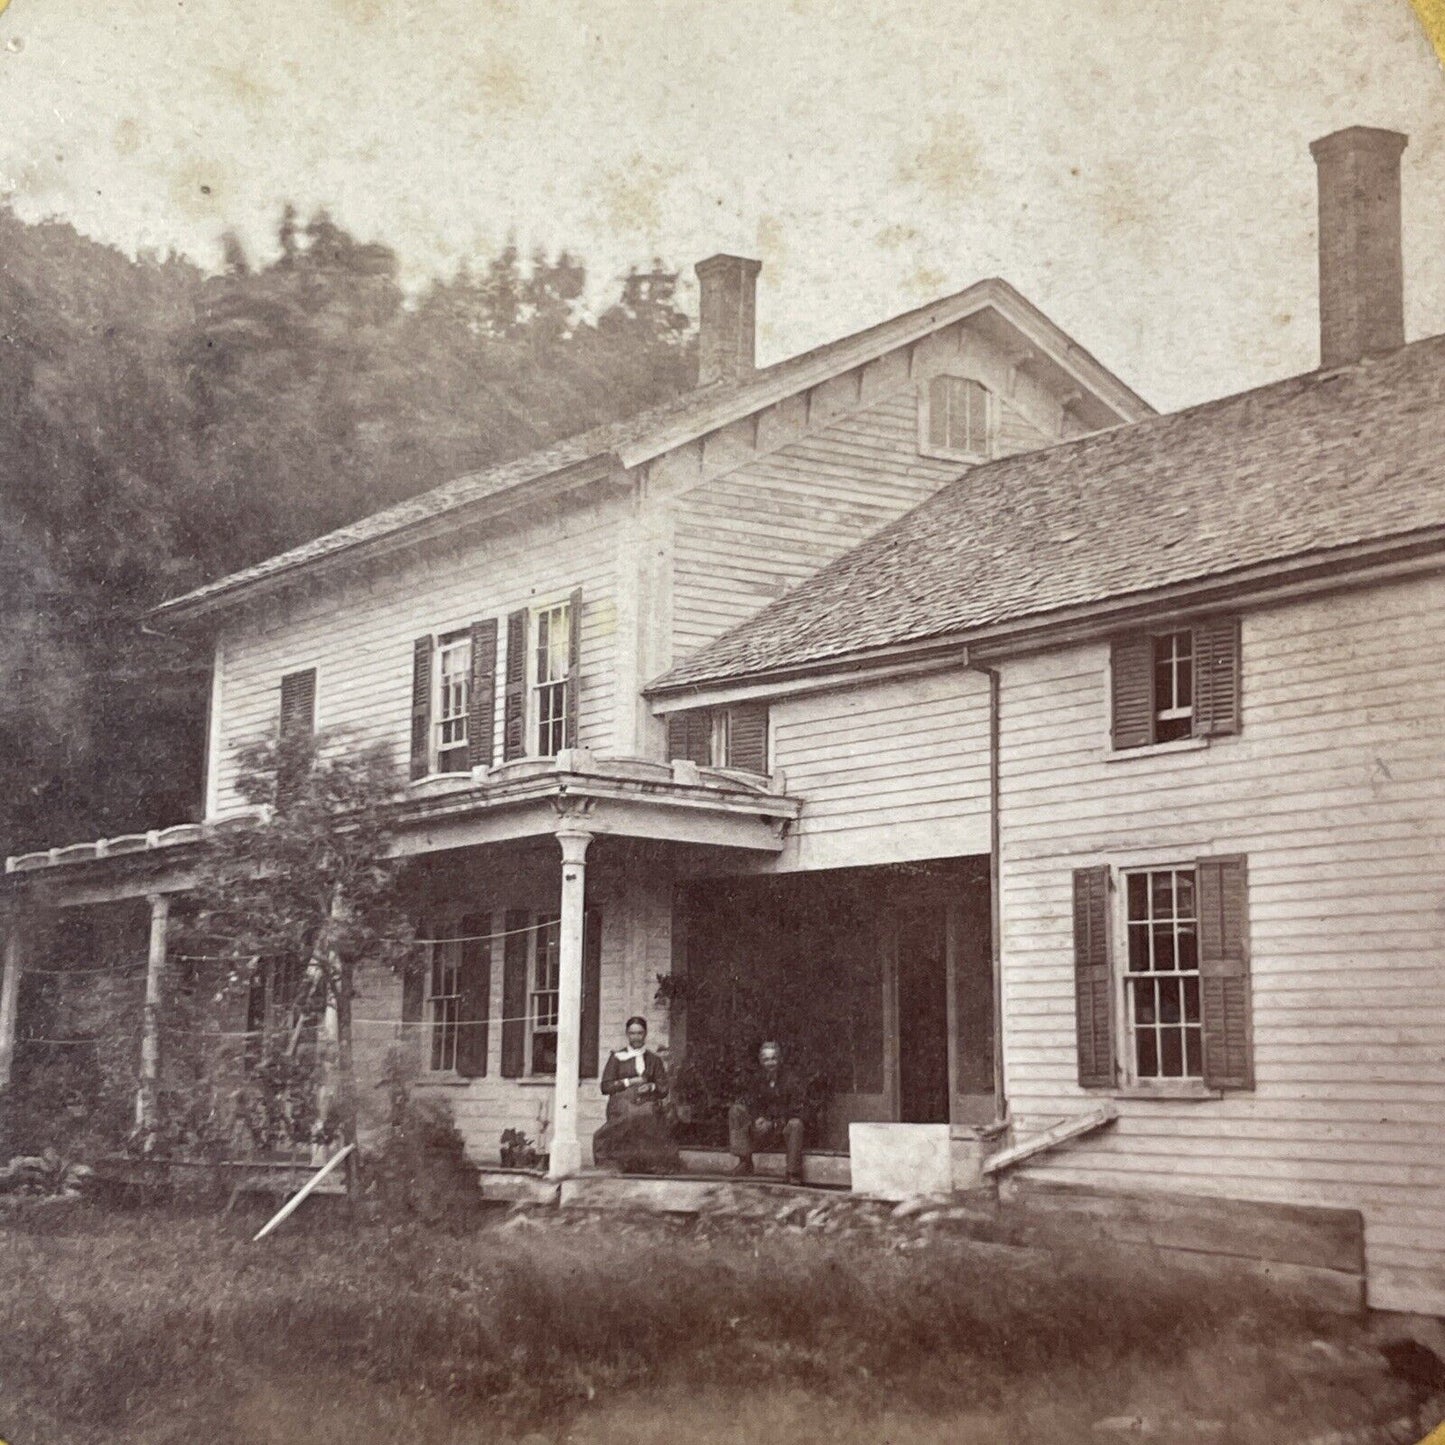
(554, 687)
(929, 448)
(541, 922)
(457, 642)
(1126, 1047)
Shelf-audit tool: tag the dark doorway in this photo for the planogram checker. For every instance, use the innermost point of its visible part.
(923, 1013)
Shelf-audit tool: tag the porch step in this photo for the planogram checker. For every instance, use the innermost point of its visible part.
(739, 1199)
(516, 1186)
(824, 1169)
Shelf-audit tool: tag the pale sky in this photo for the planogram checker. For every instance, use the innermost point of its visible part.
(1138, 168)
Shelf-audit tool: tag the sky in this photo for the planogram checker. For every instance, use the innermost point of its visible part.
(1137, 168)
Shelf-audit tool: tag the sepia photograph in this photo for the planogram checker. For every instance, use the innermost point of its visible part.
(722, 722)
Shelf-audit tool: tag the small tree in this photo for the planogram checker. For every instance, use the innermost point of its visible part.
(309, 890)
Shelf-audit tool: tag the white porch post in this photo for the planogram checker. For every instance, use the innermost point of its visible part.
(150, 1041)
(566, 1152)
(10, 993)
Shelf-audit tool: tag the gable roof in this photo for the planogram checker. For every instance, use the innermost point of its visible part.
(1294, 470)
(646, 435)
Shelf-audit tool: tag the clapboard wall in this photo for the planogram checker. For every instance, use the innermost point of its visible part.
(358, 629)
(744, 538)
(1335, 791)
(887, 771)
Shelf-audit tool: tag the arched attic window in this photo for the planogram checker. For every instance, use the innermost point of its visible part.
(957, 419)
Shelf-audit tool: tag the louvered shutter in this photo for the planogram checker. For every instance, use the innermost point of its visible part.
(297, 722)
(574, 668)
(482, 694)
(514, 701)
(689, 735)
(748, 737)
(1131, 667)
(514, 994)
(1216, 677)
(1093, 978)
(475, 989)
(591, 1042)
(421, 654)
(1224, 993)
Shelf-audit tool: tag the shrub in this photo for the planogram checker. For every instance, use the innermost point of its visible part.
(420, 1170)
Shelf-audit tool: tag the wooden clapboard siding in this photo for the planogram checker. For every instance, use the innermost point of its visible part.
(744, 538)
(1335, 790)
(636, 908)
(359, 633)
(887, 772)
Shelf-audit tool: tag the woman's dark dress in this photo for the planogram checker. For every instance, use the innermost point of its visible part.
(637, 1137)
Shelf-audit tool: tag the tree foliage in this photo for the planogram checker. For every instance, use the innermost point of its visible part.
(160, 427)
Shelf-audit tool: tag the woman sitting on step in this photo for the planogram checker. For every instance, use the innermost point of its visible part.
(637, 1137)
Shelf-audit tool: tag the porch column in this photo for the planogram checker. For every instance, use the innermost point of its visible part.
(566, 1153)
(150, 1039)
(10, 993)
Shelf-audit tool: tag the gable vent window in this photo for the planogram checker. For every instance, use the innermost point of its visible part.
(957, 419)
(1176, 683)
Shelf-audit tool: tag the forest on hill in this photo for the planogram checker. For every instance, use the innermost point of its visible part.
(160, 426)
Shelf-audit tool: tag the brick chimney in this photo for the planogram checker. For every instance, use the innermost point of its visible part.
(727, 317)
(1362, 284)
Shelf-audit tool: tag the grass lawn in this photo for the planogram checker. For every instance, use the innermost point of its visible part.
(167, 1327)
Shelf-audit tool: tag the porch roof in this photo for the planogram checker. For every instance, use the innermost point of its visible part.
(674, 802)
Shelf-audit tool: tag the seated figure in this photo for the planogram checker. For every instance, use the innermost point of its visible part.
(769, 1115)
(637, 1138)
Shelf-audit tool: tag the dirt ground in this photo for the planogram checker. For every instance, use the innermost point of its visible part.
(168, 1327)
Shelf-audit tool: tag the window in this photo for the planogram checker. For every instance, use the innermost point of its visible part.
(453, 671)
(443, 1004)
(722, 737)
(956, 419)
(546, 975)
(551, 669)
(1168, 1002)
(1176, 683)
(1161, 986)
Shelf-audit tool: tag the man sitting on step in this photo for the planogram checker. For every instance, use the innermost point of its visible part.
(769, 1115)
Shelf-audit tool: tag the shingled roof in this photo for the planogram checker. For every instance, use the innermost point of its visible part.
(648, 434)
(1320, 462)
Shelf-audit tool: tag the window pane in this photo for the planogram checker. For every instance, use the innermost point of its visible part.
(1138, 895)
(1163, 893)
(1171, 1054)
(1169, 1000)
(1143, 1000)
(1138, 948)
(1184, 893)
(1188, 942)
(1164, 961)
(1191, 1000)
(1193, 1062)
(1146, 1054)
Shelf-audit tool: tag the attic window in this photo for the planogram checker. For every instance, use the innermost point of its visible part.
(956, 419)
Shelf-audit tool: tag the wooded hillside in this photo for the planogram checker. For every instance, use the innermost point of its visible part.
(160, 426)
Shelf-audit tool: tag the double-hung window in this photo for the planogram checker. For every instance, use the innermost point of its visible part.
(551, 667)
(443, 1004)
(1161, 975)
(453, 673)
(546, 960)
(1177, 682)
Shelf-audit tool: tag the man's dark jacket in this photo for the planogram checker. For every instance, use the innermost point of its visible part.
(777, 1098)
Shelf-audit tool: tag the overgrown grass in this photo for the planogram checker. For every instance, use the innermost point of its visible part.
(162, 1328)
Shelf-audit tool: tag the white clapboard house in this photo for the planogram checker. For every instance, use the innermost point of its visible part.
(1063, 773)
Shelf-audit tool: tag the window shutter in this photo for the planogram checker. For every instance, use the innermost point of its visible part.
(1224, 994)
(475, 988)
(574, 668)
(1131, 666)
(514, 700)
(748, 737)
(689, 735)
(591, 1042)
(1093, 978)
(1216, 677)
(298, 721)
(413, 978)
(421, 655)
(482, 694)
(514, 994)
